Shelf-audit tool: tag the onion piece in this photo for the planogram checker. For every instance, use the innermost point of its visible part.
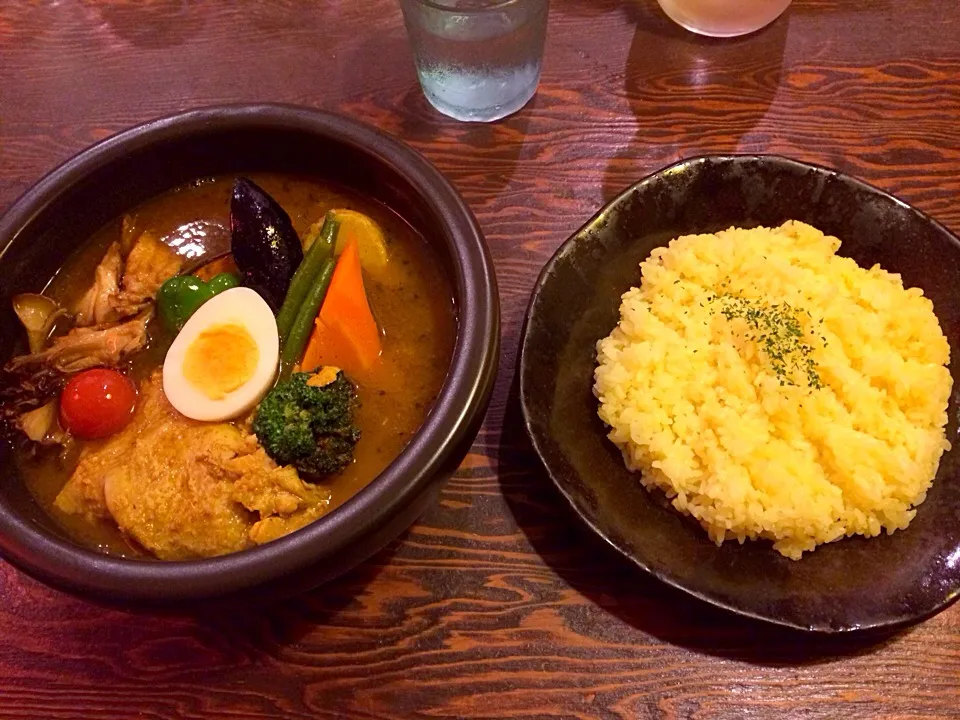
(39, 314)
(41, 425)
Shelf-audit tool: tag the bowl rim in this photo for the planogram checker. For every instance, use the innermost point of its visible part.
(461, 402)
(528, 423)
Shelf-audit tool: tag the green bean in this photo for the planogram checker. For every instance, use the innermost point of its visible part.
(303, 324)
(303, 279)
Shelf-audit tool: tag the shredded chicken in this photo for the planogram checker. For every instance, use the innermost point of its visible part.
(96, 305)
(88, 347)
(149, 264)
(276, 526)
(185, 489)
(110, 323)
(124, 288)
(128, 234)
(284, 502)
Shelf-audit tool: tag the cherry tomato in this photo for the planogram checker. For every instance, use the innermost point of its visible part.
(96, 403)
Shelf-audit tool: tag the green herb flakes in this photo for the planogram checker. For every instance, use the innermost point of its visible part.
(776, 329)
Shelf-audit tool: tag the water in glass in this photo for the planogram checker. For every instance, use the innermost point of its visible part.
(477, 60)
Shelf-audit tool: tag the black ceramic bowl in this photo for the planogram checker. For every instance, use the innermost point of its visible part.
(77, 198)
(853, 584)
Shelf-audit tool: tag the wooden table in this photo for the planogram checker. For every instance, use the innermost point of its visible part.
(497, 604)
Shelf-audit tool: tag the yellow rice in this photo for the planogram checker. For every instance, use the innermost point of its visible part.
(696, 408)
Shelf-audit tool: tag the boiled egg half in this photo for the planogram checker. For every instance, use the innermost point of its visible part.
(225, 358)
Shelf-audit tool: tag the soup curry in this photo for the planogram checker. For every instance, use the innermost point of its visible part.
(391, 351)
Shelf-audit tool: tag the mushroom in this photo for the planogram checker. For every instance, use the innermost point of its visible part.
(39, 315)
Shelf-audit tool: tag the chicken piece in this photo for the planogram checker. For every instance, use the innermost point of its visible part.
(170, 498)
(88, 347)
(124, 288)
(128, 233)
(184, 489)
(83, 493)
(276, 526)
(284, 501)
(96, 306)
(149, 264)
(269, 489)
(158, 480)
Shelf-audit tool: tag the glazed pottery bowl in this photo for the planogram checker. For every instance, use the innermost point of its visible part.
(849, 585)
(74, 200)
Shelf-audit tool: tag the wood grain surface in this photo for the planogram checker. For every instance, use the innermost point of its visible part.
(496, 604)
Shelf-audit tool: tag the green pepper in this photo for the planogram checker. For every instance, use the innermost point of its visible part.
(223, 281)
(180, 296)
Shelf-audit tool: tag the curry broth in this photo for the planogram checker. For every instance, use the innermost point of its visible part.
(411, 299)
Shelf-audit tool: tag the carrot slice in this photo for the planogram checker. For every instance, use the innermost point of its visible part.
(345, 333)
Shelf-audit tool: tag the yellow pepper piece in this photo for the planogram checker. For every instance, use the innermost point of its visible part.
(370, 238)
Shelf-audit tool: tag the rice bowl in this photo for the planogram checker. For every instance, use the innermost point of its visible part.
(773, 389)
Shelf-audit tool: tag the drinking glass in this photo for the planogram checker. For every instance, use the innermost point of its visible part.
(477, 60)
(723, 18)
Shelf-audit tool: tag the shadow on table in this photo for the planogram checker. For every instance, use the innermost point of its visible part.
(151, 24)
(266, 624)
(694, 95)
(474, 155)
(598, 572)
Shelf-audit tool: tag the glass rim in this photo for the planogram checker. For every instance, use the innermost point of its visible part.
(497, 5)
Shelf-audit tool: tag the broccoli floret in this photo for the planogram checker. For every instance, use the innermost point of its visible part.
(309, 426)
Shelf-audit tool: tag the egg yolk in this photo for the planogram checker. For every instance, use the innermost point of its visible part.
(220, 359)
